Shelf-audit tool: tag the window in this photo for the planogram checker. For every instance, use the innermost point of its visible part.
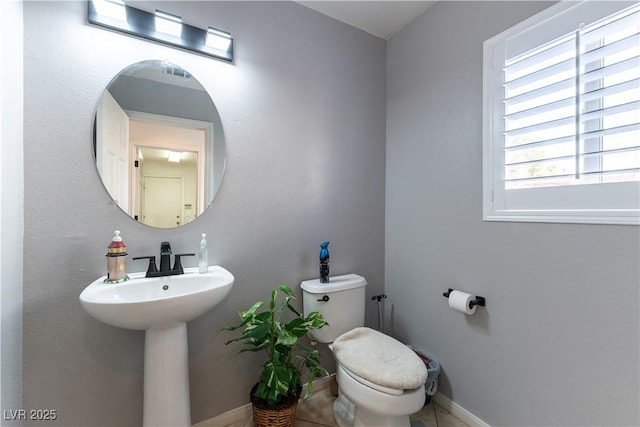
(562, 116)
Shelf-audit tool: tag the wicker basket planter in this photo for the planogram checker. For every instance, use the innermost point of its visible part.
(282, 414)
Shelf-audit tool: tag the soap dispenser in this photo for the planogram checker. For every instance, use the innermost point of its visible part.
(203, 256)
(116, 260)
(324, 262)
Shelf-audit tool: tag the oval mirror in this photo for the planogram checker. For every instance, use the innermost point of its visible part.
(158, 144)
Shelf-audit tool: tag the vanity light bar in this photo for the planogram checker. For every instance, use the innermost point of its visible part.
(115, 15)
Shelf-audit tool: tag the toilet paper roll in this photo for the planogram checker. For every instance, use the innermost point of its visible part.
(460, 301)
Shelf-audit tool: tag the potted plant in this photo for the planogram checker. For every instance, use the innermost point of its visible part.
(276, 329)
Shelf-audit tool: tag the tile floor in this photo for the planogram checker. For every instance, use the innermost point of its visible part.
(317, 411)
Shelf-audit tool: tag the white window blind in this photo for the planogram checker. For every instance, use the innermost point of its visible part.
(564, 114)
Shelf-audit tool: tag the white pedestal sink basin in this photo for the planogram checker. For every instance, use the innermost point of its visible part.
(161, 306)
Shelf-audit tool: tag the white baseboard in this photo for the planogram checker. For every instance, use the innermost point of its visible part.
(245, 411)
(458, 410)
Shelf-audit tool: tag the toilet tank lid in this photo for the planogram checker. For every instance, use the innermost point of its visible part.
(336, 283)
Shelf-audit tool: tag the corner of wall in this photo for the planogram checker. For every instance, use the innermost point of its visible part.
(11, 203)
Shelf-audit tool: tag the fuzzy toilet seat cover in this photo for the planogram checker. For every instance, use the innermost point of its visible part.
(380, 359)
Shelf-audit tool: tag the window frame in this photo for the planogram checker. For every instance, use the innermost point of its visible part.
(554, 207)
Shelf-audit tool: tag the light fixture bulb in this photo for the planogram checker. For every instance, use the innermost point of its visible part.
(113, 9)
(168, 24)
(218, 39)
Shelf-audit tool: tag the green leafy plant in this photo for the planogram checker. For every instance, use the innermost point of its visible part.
(276, 329)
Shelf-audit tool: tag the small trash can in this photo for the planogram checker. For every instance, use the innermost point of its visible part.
(433, 370)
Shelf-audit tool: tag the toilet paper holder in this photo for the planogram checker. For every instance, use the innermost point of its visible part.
(478, 301)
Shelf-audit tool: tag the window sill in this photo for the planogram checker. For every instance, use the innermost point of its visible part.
(572, 217)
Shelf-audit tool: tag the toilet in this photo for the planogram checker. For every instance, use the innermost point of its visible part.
(380, 380)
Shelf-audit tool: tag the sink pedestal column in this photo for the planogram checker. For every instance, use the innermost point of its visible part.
(166, 377)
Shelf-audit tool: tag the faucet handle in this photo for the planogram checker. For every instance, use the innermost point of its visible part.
(152, 263)
(177, 266)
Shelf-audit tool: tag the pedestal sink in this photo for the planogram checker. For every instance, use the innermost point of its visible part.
(161, 306)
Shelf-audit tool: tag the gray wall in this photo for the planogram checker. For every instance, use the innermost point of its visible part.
(11, 206)
(303, 112)
(558, 342)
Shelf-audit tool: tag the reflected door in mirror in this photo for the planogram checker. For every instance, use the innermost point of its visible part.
(112, 149)
(162, 202)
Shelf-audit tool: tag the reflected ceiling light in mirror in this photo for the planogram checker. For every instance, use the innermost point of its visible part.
(162, 27)
(174, 156)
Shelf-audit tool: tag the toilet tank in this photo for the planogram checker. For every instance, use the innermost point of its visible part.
(341, 302)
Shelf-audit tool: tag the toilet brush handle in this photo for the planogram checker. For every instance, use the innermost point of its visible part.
(380, 317)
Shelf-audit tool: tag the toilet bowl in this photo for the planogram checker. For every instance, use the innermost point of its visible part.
(380, 380)
(380, 376)
(372, 407)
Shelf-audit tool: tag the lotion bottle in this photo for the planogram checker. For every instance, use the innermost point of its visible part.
(116, 260)
(203, 256)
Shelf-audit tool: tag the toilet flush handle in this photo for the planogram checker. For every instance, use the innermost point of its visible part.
(324, 298)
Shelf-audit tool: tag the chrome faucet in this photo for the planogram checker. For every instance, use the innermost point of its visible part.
(165, 262)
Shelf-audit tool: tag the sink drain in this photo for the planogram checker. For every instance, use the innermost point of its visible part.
(165, 287)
